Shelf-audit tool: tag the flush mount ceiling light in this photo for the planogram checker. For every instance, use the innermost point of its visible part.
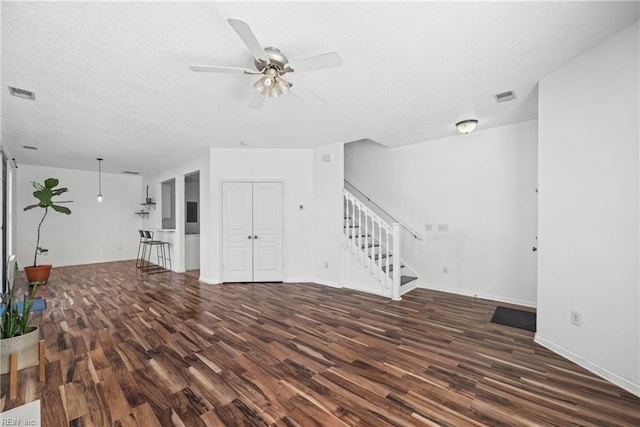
(99, 179)
(467, 126)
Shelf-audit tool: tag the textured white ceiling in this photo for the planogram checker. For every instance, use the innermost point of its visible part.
(112, 78)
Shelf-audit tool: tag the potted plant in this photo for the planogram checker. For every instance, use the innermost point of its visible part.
(16, 336)
(45, 194)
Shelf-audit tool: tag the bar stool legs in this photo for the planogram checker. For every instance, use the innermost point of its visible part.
(163, 254)
(142, 247)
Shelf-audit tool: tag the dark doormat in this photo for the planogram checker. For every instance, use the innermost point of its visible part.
(515, 318)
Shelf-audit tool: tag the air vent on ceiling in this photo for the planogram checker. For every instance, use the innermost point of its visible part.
(505, 96)
(22, 93)
(131, 172)
(29, 147)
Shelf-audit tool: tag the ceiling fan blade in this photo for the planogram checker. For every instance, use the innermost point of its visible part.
(249, 39)
(219, 69)
(308, 94)
(318, 62)
(256, 100)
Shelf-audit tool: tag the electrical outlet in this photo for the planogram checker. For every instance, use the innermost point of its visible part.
(443, 227)
(445, 270)
(576, 318)
(326, 265)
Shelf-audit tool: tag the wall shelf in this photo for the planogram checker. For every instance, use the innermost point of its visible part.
(145, 213)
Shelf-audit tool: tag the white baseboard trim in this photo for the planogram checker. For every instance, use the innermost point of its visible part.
(298, 280)
(466, 293)
(208, 281)
(337, 285)
(590, 366)
(327, 283)
(367, 291)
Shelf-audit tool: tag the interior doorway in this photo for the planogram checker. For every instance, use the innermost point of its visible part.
(192, 223)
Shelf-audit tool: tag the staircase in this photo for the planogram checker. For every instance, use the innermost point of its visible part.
(376, 244)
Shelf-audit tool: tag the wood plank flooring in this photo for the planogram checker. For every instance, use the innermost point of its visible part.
(129, 349)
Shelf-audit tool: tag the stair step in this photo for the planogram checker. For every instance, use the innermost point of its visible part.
(361, 235)
(374, 245)
(384, 268)
(383, 256)
(351, 226)
(406, 279)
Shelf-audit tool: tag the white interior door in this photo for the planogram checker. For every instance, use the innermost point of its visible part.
(267, 232)
(237, 232)
(252, 224)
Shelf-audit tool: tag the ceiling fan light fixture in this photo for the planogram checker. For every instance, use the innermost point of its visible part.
(259, 87)
(466, 126)
(282, 86)
(273, 92)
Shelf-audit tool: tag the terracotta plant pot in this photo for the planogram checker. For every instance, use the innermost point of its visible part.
(26, 346)
(38, 274)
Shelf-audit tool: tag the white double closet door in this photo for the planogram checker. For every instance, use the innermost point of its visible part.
(252, 224)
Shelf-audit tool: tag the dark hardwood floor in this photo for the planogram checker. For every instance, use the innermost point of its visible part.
(125, 348)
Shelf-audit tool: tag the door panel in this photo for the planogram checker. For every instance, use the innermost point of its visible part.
(237, 247)
(267, 226)
(252, 232)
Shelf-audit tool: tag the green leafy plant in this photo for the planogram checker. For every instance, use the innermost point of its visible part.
(45, 194)
(15, 321)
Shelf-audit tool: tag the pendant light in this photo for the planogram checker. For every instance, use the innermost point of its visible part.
(99, 179)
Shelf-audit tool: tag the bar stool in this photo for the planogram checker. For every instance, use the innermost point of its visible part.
(142, 248)
(163, 254)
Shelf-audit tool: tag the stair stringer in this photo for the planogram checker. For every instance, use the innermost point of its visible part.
(358, 278)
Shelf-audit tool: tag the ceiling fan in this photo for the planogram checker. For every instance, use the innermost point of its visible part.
(271, 64)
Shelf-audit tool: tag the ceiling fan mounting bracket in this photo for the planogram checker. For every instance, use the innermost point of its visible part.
(277, 60)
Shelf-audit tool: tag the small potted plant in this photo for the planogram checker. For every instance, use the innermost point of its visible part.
(44, 194)
(16, 335)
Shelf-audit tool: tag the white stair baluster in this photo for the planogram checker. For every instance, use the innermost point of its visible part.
(345, 214)
(386, 269)
(397, 263)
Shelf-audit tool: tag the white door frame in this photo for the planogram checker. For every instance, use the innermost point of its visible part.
(284, 221)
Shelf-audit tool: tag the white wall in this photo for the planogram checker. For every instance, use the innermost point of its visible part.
(94, 232)
(481, 185)
(589, 210)
(328, 178)
(177, 237)
(295, 169)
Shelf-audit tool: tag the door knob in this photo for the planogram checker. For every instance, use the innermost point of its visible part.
(534, 249)
(255, 236)
(249, 236)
